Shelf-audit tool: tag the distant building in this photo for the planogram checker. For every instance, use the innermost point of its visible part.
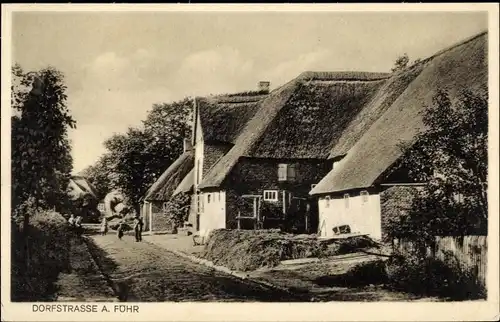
(83, 197)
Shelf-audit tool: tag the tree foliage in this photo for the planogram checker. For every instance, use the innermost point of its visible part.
(41, 159)
(177, 209)
(401, 63)
(99, 175)
(135, 159)
(451, 156)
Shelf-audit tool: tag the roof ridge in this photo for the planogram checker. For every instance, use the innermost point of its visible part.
(343, 75)
(451, 47)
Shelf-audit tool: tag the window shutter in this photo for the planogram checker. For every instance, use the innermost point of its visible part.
(282, 172)
(291, 172)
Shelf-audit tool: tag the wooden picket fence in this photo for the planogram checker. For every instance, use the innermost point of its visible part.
(470, 251)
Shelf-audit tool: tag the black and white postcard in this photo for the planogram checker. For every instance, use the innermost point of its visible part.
(250, 162)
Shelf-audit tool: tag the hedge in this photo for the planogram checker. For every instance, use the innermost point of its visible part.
(48, 251)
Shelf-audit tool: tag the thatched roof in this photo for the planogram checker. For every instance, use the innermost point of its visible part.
(373, 149)
(79, 187)
(388, 92)
(186, 184)
(165, 186)
(295, 120)
(223, 117)
(314, 118)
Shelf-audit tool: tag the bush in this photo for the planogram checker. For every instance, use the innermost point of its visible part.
(48, 253)
(435, 277)
(351, 245)
(362, 274)
(177, 209)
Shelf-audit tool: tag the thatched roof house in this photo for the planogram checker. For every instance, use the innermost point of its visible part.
(218, 120)
(357, 190)
(351, 122)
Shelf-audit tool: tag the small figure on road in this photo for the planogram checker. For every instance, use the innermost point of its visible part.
(138, 228)
(120, 230)
(104, 226)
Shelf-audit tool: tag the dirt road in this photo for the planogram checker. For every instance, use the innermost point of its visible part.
(143, 272)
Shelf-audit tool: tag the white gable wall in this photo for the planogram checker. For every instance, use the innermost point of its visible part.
(198, 154)
(363, 215)
(214, 212)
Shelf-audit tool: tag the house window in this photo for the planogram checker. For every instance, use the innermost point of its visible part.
(346, 200)
(165, 204)
(459, 198)
(270, 195)
(282, 172)
(286, 172)
(218, 195)
(364, 196)
(327, 202)
(313, 186)
(209, 197)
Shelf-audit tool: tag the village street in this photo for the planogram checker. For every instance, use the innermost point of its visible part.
(141, 271)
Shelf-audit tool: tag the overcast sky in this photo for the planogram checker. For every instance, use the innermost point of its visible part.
(118, 64)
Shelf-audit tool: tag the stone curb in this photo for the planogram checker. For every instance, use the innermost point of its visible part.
(223, 269)
(106, 278)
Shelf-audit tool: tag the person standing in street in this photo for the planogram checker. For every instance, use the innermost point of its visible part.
(104, 226)
(138, 228)
(120, 229)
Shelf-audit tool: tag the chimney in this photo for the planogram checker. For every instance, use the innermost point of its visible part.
(264, 86)
(187, 145)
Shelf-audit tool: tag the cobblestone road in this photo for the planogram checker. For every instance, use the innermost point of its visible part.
(144, 272)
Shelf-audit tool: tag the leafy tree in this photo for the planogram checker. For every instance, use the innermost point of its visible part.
(401, 63)
(41, 159)
(177, 209)
(451, 157)
(167, 125)
(100, 175)
(128, 152)
(138, 157)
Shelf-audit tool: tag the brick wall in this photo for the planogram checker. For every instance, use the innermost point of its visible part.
(253, 176)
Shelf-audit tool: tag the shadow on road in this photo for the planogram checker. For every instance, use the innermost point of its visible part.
(108, 266)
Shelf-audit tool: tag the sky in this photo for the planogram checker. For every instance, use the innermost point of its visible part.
(117, 64)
